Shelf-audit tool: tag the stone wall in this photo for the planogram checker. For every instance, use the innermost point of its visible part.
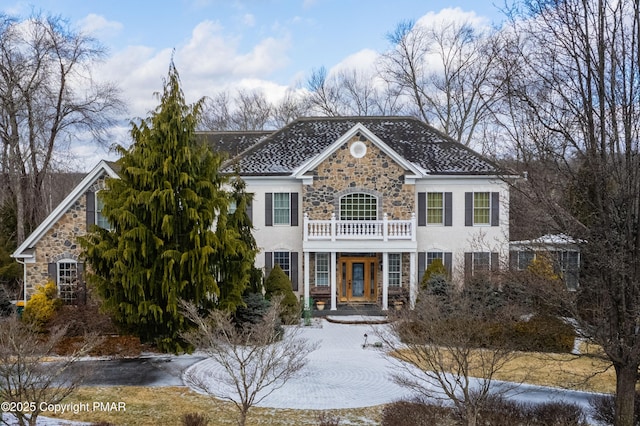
(342, 173)
(60, 241)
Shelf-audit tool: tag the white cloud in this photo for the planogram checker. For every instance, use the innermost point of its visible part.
(452, 15)
(208, 61)
(98, 26)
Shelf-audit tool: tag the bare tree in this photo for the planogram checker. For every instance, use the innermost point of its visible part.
(254, 359)
(571, 79)
(444, 71)
(29, 381)
(352, 92)
(47, 98)
(250, 110)
(453, 343)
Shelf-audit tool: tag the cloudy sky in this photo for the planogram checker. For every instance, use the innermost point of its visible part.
(228, 44)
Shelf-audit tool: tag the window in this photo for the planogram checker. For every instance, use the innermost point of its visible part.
(433, 255)
(524, 259)
(101, 221)
(569, 268)
(322, 269)
(358, 206)
(395, 269)
(283, 258)
(481, 208)
(481, 261)
(435, 208)
(233, 206)
(67, 280)
(281, 208)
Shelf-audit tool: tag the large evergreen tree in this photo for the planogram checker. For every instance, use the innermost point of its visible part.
(162, 246)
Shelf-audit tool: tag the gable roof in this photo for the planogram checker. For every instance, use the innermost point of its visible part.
(232, 143)
(286, 151)
(103, 167)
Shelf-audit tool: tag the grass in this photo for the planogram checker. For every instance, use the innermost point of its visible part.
(152, 406)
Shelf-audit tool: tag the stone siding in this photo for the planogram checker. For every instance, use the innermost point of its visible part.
(60, 241)
(375, 173)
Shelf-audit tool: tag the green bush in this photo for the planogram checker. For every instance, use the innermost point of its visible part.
(436, 268)
(544, 333)
(42, 306)
(278, 284)
(256, 306)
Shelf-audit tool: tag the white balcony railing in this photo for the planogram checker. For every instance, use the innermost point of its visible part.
(381, 230)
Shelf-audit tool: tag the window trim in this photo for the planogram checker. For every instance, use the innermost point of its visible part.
(441, 208)
(396, 273)
(362, 196)
(59, 281)
(488, 209)
(98, 212)
(318, 271)
(287, 271)
(284, 195)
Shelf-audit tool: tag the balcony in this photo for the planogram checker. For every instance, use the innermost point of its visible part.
(367, 230)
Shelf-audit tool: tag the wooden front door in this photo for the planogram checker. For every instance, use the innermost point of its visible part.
(358, 279)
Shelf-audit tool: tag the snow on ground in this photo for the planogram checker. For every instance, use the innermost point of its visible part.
(341, 374)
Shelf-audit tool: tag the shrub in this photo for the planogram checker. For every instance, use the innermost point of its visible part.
(42, 305)
(194, 419)
(543, 333)
(416, 413)
(278, 284)
(6, 308)
(253, 311)
(436, 268)
(503, 412)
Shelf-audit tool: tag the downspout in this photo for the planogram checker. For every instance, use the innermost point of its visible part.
(24, 280)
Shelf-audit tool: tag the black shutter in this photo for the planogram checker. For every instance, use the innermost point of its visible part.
(422, 265)
(294, 270)
(495, 262)
(81, 290)
(268, 209)
(468, 265)
(495, 208)
(52, 271)
(268, 263)
(91, 208)
(448, 212)
(294, 209)
(422, 209)
(448, 261)
(468, 209)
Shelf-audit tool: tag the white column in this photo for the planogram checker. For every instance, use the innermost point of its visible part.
(306, 280)
(413, 288)
(385, 281)
(333, 277)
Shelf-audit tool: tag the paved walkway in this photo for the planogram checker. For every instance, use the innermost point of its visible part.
(341, 374)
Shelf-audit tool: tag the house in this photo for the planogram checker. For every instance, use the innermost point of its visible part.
(353, 209)
(561, 250)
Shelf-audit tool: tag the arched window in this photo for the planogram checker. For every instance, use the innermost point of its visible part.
(358, 206)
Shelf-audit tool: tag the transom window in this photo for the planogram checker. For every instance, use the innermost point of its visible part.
(481, 208)
(435, 208)
(395, 269)
(67, 281)
(358, 206)
(322, 269)
(281, 208)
